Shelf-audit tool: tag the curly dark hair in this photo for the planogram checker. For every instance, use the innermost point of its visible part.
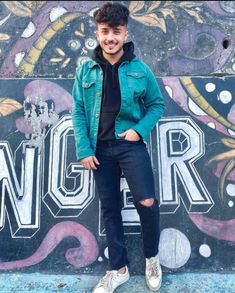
(113, 14)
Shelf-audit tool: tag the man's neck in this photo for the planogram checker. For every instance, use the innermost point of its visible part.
(112, 59)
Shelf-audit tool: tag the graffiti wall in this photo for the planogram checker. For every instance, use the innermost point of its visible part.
(50, 217)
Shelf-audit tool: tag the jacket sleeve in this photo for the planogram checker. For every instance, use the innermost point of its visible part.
(82, 142)
(154, 107)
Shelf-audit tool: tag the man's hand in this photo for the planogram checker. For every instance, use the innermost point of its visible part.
(90, 163)
(130, 135)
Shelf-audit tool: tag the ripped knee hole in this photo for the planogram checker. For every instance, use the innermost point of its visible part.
(147, 202)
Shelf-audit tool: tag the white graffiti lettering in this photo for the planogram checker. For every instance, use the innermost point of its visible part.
(67, 189)
(180, 145)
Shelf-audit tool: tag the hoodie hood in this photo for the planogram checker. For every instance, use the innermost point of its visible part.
(108, 68)
(127, 56)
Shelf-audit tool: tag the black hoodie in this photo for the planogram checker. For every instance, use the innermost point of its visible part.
(111, 97)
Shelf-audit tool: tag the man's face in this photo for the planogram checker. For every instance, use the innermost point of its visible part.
(111, 39)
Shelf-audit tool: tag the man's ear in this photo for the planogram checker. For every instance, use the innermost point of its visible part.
(126, 35)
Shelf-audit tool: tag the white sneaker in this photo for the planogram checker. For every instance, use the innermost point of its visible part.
(153, 273)
(111, 281)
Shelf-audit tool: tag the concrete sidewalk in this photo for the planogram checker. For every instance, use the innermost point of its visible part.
(172, 283)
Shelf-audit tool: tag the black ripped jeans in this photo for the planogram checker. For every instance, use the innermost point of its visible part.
(133, 160)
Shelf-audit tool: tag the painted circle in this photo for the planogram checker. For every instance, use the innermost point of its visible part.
(210, 87)
(100, 259)
(174, 248)
(81, 60)
(90, 44)
(106, 253)
(230, 188)
(74, 45)
(205, 250)
(225, 97)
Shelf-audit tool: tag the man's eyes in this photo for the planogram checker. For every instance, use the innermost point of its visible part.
(115, 32)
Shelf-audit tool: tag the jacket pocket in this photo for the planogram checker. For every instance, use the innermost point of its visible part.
(88, 90)
(137, 84)
(88, 98)
(136, 74)
(87, 84)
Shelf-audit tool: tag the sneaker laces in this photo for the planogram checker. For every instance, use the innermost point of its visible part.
(153, 268)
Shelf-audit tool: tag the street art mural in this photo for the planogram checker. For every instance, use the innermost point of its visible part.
(50, 217)
(49, 38)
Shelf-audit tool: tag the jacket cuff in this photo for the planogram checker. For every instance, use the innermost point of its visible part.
(84, 154)
(141, 132)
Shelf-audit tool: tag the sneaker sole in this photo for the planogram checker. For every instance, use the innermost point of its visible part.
(120, 285)
(152, 288)
(117, 286)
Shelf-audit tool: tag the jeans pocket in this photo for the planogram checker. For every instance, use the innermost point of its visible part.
(140, 141)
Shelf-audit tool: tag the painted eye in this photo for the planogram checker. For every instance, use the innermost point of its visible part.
(74, 45)
(90, 43)
(81, 60)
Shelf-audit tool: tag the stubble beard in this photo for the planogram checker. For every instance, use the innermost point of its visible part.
(113, 53)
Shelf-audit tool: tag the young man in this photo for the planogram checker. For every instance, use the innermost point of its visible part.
(117, 102)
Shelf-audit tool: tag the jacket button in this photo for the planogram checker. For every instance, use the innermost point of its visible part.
(96, 115)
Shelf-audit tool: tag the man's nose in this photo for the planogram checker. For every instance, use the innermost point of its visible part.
(110, 37)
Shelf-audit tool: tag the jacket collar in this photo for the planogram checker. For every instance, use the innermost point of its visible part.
(93, 63)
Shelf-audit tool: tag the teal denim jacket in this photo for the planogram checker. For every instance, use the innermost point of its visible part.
(142, 103)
